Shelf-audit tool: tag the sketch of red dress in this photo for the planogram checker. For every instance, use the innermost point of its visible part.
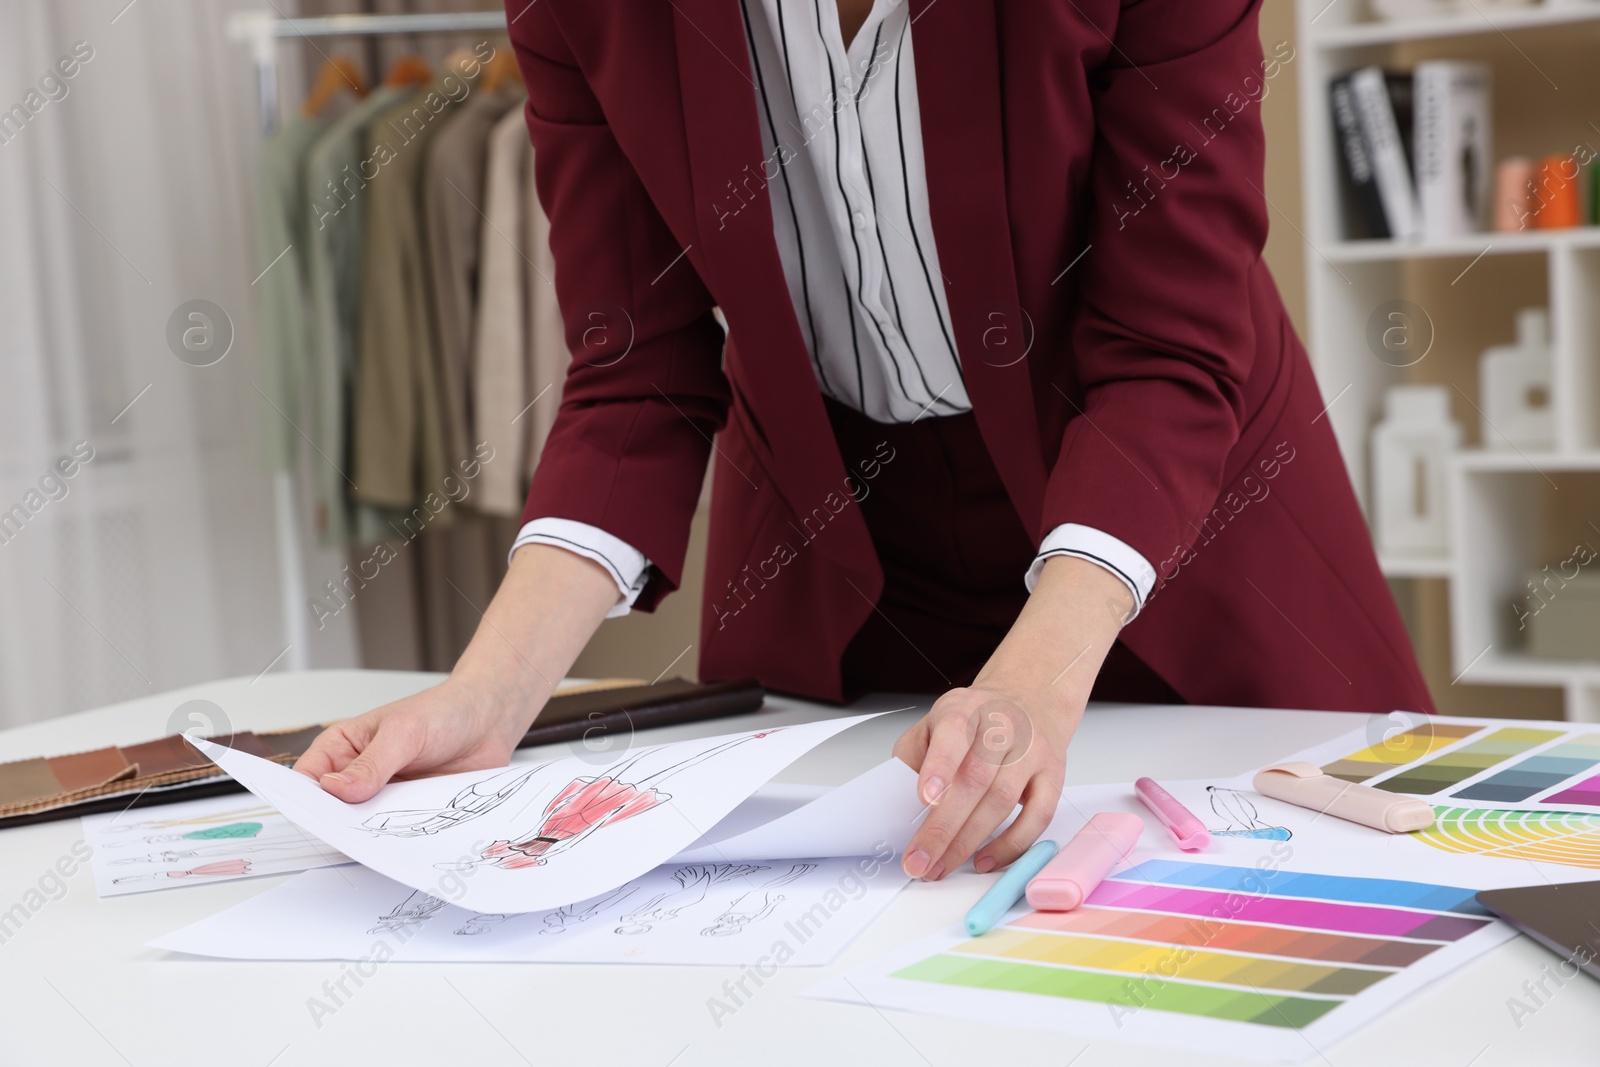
(230, 868)
(585, 805)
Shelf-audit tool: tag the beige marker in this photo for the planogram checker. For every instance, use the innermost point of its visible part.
(1305, 784)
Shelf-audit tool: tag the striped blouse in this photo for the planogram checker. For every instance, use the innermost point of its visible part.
(845, 174)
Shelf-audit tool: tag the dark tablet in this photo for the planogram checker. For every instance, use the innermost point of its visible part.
(1563, 918)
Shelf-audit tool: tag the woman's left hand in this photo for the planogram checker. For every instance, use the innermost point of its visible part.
(1003, 740)
(980, 752)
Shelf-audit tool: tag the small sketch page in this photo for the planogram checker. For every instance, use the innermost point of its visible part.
(771, 913)
(537, 835)
(214, 839)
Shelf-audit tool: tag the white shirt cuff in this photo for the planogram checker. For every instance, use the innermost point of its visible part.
(1097, 546)
(626, 564)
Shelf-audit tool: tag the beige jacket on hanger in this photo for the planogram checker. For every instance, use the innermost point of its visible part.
(499, 359)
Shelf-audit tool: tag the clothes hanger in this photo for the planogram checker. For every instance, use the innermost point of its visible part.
(502, 68)
(408, 70)
(460, 61)
(337, 75)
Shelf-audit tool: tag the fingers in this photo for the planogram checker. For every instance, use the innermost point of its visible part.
(1039, 801)
(970, 781)
(912, 746)
(991, 811)
(394, 745)
(334, 747)
(949, 743)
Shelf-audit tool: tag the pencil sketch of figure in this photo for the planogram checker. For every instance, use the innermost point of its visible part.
(585, 805)
(1236, 809)
(755, 904)
(413, 911)
(231, 831)
(262, 844)
(477, 799)
(255, 811)
(693, 883)
(482, 924)
(563, 919)
(224, 868)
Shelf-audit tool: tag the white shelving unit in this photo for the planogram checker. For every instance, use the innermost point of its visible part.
(1510, 512)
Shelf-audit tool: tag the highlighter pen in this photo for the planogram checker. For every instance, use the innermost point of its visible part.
(1008, 888)
(1305, 784)
(1189, 832)
(1069, 878)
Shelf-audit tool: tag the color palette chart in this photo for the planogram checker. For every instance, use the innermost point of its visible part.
(1478, 763)
(1568, 838)
(1198, 956)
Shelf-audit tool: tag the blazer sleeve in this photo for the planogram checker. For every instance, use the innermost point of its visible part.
(644, 391)
(1164, 340)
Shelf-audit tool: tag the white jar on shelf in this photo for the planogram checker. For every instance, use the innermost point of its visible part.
(1411, 449)
(1514, 384)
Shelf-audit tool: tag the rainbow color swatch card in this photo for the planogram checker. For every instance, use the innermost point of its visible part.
(1470, 763)
(1227, 957)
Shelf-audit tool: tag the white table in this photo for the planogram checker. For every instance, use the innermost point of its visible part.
(77, 985)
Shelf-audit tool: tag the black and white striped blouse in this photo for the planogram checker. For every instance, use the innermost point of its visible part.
(848, 188)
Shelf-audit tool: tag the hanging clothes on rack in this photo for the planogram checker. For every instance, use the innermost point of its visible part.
(500, 378)
(337, 172)
(452, 190)
(406, 333)
(284, 343)
(401, 456)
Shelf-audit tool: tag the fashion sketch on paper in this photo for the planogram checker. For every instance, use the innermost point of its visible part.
(1238, 811)
(411, 912)
(694, 882)
(586, 805)
(565, 918)
(755, 904)
(475, 800)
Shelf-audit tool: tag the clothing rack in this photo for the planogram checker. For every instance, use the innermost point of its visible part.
(262, 30)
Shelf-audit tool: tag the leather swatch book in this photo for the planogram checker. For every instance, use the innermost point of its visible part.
(169, 769)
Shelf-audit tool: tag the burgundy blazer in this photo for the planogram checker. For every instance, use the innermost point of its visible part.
(1094, 173)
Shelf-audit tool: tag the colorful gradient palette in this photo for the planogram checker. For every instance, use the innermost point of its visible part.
(1276, 949)
(1397, 751)
(1586, 793)
(1544, 770)
(1457, 765)
(1568, 838)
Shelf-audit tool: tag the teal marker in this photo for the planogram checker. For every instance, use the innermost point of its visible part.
(1005, 892)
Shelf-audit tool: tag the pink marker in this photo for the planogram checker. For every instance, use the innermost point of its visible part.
(1068, 879)
(1189, 832)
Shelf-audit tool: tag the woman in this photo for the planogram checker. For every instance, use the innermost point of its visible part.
(1003, 363)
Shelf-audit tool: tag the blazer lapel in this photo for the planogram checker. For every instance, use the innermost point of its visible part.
(738, 258)
(958, 89)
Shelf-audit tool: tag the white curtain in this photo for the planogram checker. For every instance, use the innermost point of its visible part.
(125, 192)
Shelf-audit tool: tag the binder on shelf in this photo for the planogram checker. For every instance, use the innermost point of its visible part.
(1452, 147)
(1384, 110)
(1363, 204)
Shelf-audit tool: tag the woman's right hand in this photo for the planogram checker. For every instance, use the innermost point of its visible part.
(546, 609)
(448, 728)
